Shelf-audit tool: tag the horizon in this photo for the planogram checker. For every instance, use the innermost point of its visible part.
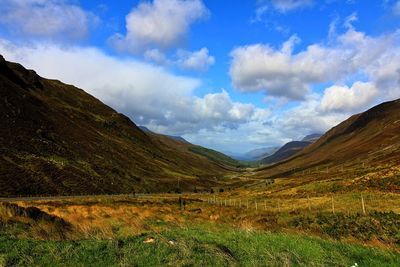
(271, 82)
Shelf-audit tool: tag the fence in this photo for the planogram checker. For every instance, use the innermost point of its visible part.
(351, 203)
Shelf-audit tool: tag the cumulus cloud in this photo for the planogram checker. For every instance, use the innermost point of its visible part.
(149, 95)
(396, 8)
(156, 56)
(348, 99)
(280, 72)
(46, 18)
(198, 60)
(159, 24)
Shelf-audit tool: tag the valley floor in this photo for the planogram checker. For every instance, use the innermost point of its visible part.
(160, 230)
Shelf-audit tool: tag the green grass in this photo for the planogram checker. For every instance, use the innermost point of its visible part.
(198, 246)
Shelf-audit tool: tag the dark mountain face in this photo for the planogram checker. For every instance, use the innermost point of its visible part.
(286, 151)
(290, 149)
(57, 139)
(371, 137)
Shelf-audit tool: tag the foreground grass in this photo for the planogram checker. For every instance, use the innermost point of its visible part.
(198, 246)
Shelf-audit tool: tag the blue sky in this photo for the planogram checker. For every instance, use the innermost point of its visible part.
(230, 75)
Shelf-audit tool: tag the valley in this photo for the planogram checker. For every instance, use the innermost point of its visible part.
(78, 180)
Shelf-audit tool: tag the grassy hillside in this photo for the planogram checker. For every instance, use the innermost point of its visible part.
(57, 139)
(215, 156)
(367, 140)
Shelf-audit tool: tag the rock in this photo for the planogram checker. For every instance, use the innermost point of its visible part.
(149, 239)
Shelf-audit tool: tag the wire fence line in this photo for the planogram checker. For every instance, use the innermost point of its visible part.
(356, 203)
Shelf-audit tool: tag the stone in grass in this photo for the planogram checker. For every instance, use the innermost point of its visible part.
(149, 239)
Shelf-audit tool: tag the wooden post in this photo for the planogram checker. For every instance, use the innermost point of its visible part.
(247, 204)
(180, 203)
(333, 206)
(256, 204)
(265, 205)
(363, 204)
(240, 203)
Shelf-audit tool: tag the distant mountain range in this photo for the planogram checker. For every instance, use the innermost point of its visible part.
(254, 155)
(286, 151)
(56, 139)
(290, 149)
(273, 154)
(312, 137)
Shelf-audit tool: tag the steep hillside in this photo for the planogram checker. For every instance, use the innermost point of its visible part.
(177, 138)
(57, 139)
(371, 138)
(286, 151)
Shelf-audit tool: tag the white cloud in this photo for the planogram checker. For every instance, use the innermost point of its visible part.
(348, 99)
(198, 60)
(280, 72)
(282, 6)
(149, 95)
(156, 56)
(396, 8)
(288, 5)
(46, 18)
(159, 24)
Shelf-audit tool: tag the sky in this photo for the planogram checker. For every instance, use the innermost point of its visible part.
(230, 75)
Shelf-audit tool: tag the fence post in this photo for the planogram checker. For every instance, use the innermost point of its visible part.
(256, 204)
(265, 205)
(363, 204)
(247, 204)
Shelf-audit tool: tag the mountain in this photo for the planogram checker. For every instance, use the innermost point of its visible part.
(286, 151)
(57, 139)
(144, 129)
(177, 138)
(312, 137)
(255, 154)
(371, 138)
